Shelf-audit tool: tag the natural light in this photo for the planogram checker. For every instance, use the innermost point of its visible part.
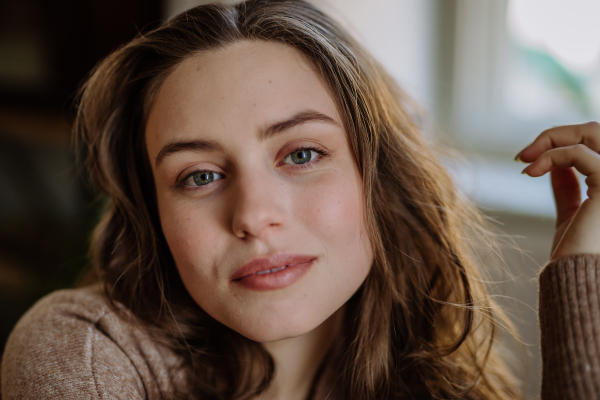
(569, 31)
(553, 68)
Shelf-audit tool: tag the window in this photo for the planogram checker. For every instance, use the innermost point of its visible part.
(519, 67)
(522, 66)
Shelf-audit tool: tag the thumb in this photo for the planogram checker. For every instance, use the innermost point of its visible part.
(567, 195)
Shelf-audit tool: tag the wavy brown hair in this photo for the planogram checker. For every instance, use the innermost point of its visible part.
(420, 326)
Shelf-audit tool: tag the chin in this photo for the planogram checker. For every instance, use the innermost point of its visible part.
(267, 337)
(265, 329)
(277, 332)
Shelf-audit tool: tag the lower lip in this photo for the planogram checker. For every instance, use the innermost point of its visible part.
(275, 280)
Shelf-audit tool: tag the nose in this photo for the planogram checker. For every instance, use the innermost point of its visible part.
(259, 206)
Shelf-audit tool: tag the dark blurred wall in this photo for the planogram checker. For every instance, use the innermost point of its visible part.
(47, 48)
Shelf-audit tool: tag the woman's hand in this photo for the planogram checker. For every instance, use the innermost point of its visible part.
(559, 150)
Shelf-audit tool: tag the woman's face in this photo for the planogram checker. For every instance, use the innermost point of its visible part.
(259, 197)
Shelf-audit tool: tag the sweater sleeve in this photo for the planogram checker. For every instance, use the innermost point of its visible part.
(57, 351)
(569, 310)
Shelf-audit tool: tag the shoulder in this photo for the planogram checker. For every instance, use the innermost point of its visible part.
(88, 303)
(72, 344)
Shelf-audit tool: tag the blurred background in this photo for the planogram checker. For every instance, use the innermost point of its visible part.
(491, 74)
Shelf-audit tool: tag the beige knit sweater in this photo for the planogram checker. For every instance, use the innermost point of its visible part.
(71, 345)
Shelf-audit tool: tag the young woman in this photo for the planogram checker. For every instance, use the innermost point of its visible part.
(279, 229)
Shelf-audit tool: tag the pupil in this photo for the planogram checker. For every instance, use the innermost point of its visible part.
(203, 178)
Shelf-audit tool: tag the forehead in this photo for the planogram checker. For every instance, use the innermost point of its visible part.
(236, 88)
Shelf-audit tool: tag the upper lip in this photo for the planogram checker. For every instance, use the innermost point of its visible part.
(267, 263)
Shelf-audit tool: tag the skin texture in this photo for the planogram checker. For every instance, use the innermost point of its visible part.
(561, 151)
(264, 204)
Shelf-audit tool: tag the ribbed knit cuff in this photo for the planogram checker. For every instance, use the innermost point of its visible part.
(569, 308)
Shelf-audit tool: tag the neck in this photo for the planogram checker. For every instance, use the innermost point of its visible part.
(297, 360)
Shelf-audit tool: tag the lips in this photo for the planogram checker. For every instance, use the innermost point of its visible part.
(273, 272)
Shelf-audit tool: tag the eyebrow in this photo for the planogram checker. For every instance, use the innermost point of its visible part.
(300, 118)
(194, 145)
(271, 130)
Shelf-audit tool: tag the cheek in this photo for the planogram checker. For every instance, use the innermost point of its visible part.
(191, 235)
(334, 213)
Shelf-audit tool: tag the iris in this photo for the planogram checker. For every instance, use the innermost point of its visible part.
(203, 178)
(301, 156)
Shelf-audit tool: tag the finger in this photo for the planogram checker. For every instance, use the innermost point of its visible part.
(561, 136)
(567, 194)
(579, 156)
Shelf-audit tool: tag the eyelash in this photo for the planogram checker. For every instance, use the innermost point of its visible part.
(322, 154)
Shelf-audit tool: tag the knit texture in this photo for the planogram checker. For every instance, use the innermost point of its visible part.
(72, 345)
(569, 309)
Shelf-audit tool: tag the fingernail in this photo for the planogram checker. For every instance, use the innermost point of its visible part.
(524, 172)
(518, 157)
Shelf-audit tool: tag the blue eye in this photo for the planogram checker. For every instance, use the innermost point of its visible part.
(301, 156)
(200, 178)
